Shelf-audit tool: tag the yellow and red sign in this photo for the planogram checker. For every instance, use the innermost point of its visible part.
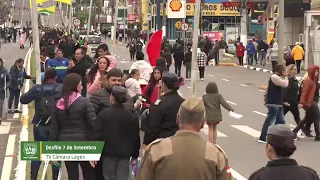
(175, 5)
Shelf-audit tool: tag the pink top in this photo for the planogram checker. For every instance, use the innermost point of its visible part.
(113, 62)
(95, 86)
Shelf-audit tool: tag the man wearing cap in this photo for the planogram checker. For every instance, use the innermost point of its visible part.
(186, 155)
(120, 133)
(163, 112)
(280, 146)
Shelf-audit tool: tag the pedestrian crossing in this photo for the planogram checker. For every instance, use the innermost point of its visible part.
(244, 129)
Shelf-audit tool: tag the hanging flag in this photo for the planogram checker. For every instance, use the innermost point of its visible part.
(37, 1)
(65, 1)
(50, 9)
(154, 47)
(45, 12)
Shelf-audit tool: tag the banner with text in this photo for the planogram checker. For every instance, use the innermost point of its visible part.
(61, 150)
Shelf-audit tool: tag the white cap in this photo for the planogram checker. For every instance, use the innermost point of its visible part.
(297, 43)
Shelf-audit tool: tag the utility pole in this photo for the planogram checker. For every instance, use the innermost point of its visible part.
(194, 47)
(280, 32)
(164, 18)
(89, 19)
(243, 26)
(115, 25)
(148, 27)
(70, 19)
(158, 19)
(36, 44)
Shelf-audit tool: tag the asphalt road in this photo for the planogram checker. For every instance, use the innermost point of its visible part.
(10, 128)
(241, 87)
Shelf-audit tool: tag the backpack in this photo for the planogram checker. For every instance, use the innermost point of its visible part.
(46, 106)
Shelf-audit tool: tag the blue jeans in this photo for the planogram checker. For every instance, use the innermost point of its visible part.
(115, 168)
(250, 59)
(41, 133)
(14, 95)
(262, 58)
(274, 116)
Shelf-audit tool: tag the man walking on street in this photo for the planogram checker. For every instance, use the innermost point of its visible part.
(222, 48)
(274, 100)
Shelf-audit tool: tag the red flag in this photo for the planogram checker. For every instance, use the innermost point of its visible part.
(154, 47)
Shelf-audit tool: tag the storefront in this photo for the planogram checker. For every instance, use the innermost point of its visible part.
(215, 17)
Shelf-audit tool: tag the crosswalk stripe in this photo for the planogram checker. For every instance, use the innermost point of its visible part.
(205, 130)
(248, 130)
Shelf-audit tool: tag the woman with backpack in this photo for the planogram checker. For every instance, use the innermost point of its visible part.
(74, 120)
(48, 91)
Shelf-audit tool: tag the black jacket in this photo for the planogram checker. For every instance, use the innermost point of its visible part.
(178, 56)
(291, 92)
(77, 125)
(101, 100)
(284, 169)
(81, 69)
(188, 57)
(262, 46)
(168, 57)
(118, 127)
(50, 51)
(37, 92)
(17, 78)
(67, 49)
(162, 117)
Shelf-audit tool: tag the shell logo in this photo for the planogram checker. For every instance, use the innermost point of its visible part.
(175, 5)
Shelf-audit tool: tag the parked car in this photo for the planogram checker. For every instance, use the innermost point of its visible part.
(287, 55)
(94, 42)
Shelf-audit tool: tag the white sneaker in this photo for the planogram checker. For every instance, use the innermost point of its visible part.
(261, 141)
(202, 79)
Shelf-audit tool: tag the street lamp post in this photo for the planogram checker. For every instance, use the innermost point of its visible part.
(36, 44)
(280, 32)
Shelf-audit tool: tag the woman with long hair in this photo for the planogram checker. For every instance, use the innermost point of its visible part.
(74, 120)
(94, 77)
(151, 91)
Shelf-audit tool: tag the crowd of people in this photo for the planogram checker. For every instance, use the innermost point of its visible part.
(139, 112)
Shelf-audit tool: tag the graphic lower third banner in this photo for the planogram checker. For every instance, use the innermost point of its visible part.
(61, 150)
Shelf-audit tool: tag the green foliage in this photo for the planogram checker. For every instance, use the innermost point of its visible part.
(83, 16)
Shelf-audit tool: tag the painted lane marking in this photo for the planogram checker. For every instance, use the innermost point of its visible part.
(6, 170)
(248, 130)
(261, 90)
(230, 102)
(260, 113)
(206, 128)
(10, 145)
(244, 85)
(236, 175)
(225, 79)
(5, 127)
(16, 115)
(211, 75)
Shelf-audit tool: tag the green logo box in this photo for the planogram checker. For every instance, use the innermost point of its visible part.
(32, 150)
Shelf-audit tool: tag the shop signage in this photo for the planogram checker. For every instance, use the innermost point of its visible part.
(208, 9)
(176, 8)
(213, 35)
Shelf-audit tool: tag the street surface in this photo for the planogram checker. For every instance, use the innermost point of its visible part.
(10, 128)
(241, 88)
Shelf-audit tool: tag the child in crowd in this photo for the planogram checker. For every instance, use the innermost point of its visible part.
(132, 84)
(212, 101)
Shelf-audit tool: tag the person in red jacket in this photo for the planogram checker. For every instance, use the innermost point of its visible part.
(240, 53)
(307, 102)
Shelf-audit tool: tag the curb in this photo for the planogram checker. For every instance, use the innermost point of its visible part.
(228, 64)
(22, 165)
(257, 69)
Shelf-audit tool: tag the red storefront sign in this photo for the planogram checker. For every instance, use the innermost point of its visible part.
(250, 5)
(213, 35)
(133, 17)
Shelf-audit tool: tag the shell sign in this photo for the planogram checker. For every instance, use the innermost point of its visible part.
(176, 8)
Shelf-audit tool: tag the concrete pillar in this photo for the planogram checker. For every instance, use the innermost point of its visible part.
(144, 12)
(244, 31)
